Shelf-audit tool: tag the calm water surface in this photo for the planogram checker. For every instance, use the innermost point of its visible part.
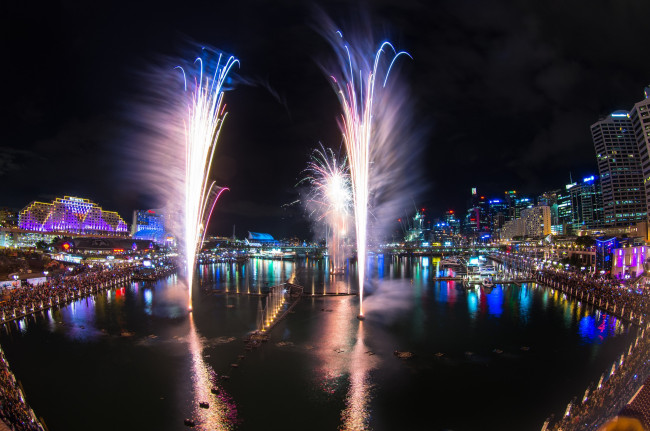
(134, 359)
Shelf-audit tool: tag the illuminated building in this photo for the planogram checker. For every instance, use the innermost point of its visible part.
(452, 222)
(628, 262)
(620, 170)
(587, 203)
(640, 118)
(534, 222)
(551, 200)
(604, 251)
(498, 211)
(71, 215)
(8, 217)
(148, 225)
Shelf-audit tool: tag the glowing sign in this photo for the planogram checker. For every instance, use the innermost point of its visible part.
(589, 179)
(473, 191)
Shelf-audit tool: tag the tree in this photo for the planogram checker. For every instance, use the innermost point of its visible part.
(585, 241)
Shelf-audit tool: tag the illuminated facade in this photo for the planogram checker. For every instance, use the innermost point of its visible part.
(628, 262)
(71, 215)
(149, 225)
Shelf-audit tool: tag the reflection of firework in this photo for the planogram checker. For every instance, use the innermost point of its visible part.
(330, 198)
(206, 114)
(356, 123)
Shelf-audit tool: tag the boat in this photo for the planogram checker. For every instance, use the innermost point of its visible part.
(487, 283)
(450, 261)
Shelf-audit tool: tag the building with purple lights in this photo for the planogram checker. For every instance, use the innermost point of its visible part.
(71, 215)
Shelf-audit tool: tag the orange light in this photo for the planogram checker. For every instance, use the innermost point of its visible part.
(66, 246)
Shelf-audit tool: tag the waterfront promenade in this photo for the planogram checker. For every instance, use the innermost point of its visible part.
(605, 399)
(24, 300)
(18, 302)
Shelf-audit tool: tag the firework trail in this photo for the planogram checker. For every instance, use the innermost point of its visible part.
(205, 116)
(360, 122)
(330, 198)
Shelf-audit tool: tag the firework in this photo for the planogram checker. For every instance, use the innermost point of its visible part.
(355, 89)
(330, 198)
(206, 114)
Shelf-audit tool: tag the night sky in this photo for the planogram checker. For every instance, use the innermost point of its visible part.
(504, 94)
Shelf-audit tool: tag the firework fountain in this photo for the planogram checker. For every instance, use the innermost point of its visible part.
(206, 114)
(355, 87)
(330, 199)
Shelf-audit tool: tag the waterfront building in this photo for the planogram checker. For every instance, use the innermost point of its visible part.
(640, 119)
(604, 251)
(256, 238)
(619, 166)
(148, 225)
(71, 215)
(534, 222)
(628, 261)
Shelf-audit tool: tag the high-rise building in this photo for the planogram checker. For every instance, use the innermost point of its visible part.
(550, 199)
(564, 224)
(620, 171)
(640, 118)
(149, 225)
(534, 222)
(586, 203)
(452, 221)
(498, 212)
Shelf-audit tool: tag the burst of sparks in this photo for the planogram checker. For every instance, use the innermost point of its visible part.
(331, 196)
(206, 114)
(356, 124)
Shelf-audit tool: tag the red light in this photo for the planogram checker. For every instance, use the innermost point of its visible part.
(66, 246)
(118, 250)
(151, 211)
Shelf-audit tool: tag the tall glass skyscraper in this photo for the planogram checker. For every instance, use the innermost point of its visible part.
(640, 119)
(619, 165)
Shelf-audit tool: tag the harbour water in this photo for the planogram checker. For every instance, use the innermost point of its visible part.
(133, 358)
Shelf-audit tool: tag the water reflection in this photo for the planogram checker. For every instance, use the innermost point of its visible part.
(356, 415)
(221, 412)
(344, 360)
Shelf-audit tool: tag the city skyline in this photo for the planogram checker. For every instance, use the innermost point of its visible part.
(505, 96)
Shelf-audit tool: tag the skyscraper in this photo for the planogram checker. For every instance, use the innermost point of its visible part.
(620, 171)
(587, 203)
(640, 118)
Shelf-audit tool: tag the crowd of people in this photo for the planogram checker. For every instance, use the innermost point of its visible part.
(81, 281)
(610, 294)
(605, 399)
(14, 411)
(15, 301)
(601, 404)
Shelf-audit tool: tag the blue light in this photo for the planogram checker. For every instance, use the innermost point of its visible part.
(589, 179)
(620, 114)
